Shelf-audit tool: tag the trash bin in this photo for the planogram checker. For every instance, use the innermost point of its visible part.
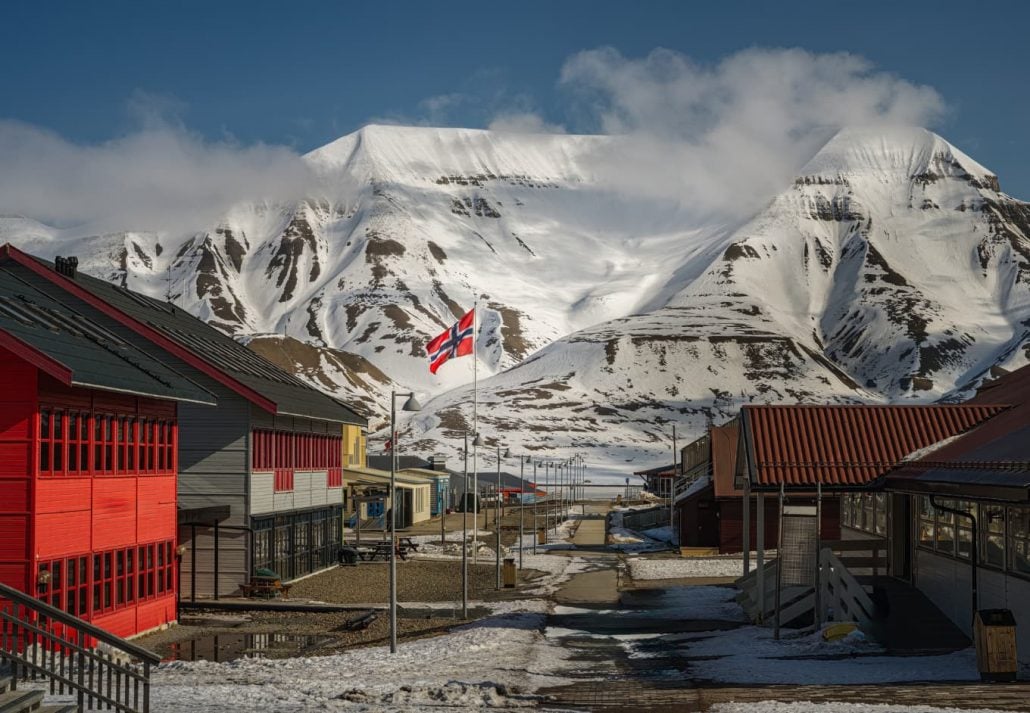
(541, 536)
(995, 634)
(509, 572)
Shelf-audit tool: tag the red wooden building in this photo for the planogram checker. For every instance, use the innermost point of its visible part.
(88, 462)
(798, 449)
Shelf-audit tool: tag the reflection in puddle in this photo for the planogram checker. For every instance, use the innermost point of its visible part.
(226, 647)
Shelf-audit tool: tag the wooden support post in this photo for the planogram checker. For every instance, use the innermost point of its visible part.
(760, 557)
(818, 551)
(779, 571)
(746, 533)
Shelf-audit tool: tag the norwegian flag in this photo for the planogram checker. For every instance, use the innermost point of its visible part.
(455, 342)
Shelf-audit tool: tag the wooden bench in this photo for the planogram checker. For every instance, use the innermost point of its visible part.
(265, 589)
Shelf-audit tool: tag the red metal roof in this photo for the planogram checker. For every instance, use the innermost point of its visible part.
(996, 454)
(847, 445)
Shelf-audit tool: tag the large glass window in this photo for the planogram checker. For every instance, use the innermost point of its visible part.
(1019, 540)
(992, 523)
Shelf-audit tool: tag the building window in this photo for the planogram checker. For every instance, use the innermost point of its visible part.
(1019, 540)
(992, 524)
(927, 524)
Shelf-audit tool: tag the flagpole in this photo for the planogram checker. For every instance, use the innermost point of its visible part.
(475, 431)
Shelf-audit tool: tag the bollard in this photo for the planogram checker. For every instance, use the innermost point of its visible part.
(509, 572)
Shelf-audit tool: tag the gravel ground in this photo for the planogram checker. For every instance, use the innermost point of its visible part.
(320, 633)
(417, 581)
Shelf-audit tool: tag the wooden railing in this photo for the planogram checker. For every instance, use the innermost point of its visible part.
(867, 554)
(100, 669)
(842, 597)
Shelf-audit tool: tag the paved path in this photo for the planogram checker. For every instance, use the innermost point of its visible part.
(591, 531)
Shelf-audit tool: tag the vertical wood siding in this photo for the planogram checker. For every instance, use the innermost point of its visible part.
(17, 411)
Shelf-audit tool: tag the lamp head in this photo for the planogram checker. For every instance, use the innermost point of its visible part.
(507, 453)
(411, 404)
(477, 441)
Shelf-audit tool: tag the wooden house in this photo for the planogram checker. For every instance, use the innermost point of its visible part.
(89, 434)
(260, 476)
(800, 451)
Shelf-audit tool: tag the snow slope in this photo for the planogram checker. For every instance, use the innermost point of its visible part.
(892, 268)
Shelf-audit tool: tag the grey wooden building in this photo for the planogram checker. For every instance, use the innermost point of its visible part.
(259, 474)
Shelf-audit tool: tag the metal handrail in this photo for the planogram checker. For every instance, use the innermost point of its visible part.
(43, 642)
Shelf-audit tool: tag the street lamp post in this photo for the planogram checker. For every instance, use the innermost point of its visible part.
(522, 506)
(497, 517)
(411, 404)
(536, 509)
(464, 529)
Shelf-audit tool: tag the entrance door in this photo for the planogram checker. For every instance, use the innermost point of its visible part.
(899, 537)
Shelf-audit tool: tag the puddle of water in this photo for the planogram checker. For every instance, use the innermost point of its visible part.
(227, 647)
(441, 613)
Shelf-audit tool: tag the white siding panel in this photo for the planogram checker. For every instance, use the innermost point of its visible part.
(319, 493)
(262, 488)
(946, 583)
(282, 501)
(302, 489)
(334, 496)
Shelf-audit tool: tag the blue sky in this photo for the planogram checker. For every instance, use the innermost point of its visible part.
(303, 73)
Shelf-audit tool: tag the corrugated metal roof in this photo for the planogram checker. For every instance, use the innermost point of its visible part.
(846, 445)
(95, 357)
(290, 395)
(992, 461)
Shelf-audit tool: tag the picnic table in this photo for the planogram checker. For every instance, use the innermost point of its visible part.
(373, 550)
(266, 589)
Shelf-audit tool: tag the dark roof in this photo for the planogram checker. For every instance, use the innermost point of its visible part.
(383, 462)
(842, 446)
(488, 480)
(200, 345)
(990, 462)
(79, 352)
(657, 470)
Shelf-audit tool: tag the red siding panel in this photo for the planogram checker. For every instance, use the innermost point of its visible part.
(114, 513)
(62, 533)
(158, 612)
(17, 410)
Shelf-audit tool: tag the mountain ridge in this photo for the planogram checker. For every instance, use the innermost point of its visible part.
(891, 267)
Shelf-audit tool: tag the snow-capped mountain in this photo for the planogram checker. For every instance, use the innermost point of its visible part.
(892, 268)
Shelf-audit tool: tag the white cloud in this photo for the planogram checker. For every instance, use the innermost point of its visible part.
(725, 137)
(158, 178)
(524, 123)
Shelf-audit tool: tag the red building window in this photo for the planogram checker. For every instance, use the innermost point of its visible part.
(107, 581)
(118, 444)
(284, 452)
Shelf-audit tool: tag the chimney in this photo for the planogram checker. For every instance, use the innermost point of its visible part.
(66, 265)
(438, 463)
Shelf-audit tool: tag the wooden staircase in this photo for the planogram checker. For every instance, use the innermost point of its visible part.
(26, 701)
(70, 657)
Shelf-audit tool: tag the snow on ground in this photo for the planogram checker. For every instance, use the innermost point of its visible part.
(624, 540)
(679, 603)
(662, 534)
(486, 664)
(810, 707)
(645, 568)
(751, 655)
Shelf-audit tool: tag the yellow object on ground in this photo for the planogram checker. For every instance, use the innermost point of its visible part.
(838, 631)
